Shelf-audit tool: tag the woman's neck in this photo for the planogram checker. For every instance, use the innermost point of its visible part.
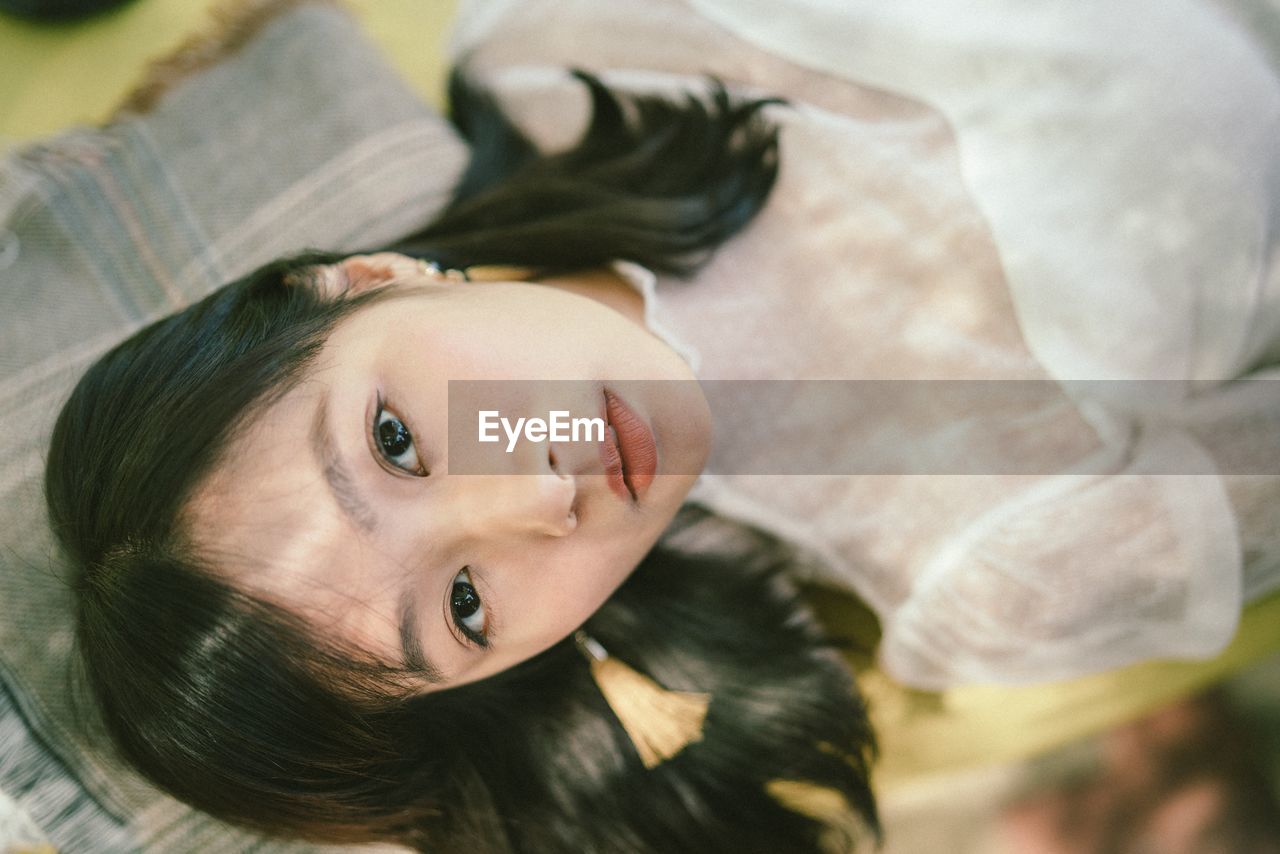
(604, 286)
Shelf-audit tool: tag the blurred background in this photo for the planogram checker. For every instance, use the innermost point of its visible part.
(59, 69)
(1197, 776)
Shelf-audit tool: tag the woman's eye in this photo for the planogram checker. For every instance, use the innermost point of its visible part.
(395, 442)
(467, 609)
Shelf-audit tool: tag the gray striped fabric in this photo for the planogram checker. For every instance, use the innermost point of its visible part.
(303, 138)
(40, 785)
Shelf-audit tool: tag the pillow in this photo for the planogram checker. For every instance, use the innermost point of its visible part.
(294, 133)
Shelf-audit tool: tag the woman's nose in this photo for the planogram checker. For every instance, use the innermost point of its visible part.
(540, 502)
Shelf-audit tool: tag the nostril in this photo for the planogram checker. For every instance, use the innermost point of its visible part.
(573, 511)
(554, 461)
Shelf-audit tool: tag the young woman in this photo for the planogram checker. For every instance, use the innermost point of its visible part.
(298, 615)
(295, 618)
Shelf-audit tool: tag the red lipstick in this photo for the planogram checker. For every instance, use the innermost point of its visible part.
(632, 461)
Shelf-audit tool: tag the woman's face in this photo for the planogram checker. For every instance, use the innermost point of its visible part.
(337, 501)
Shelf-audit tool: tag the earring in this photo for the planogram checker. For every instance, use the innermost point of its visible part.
(432, 269)
(660, 722)
(479, 273)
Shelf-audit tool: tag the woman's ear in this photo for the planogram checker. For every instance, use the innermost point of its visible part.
(359, 273)
(366, 272)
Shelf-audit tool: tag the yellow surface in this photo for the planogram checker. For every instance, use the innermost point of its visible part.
(923, 733)
(53, 77)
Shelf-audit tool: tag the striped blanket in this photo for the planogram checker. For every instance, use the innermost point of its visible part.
(294, 133)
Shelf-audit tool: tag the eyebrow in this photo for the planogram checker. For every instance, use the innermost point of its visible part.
(358, 510)
(336, 473)
(411, 645)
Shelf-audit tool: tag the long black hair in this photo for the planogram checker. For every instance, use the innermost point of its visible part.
(236, 706)
(652, 181)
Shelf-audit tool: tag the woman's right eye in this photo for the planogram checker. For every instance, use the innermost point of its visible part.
(468, 611)
(395, 443)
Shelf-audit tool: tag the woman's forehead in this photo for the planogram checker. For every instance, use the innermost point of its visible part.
(266, 521)
(260, 498)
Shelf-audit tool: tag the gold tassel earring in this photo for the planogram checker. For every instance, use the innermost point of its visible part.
(659, 722)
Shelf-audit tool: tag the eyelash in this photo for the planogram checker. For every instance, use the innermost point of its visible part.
(382, 408)
(477, 638)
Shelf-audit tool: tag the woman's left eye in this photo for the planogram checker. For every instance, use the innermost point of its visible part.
(467, 609)
(395, 443)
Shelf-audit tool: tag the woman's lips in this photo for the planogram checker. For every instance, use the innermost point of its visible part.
(632, 461)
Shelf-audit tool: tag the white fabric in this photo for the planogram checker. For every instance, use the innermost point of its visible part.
(1028, 233)
(17, 831)
(1115, 206)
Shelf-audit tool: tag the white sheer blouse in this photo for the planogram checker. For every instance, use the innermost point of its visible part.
(958, 201)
